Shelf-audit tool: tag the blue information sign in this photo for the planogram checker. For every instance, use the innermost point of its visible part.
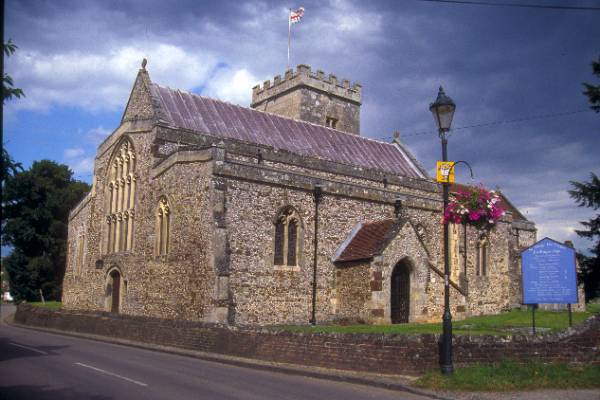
(549, 274)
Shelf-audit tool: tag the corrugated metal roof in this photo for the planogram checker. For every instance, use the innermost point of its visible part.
(204, 115)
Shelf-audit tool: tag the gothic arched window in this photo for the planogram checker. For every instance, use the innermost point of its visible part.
(163, 226)
(482, 256)
(120, 198)
(287, 234)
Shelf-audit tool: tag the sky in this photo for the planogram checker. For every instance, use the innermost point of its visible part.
(515, 74)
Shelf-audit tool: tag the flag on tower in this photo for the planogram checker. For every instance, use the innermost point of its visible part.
(296, 16)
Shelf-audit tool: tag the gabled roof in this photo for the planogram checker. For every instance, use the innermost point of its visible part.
(366, 240)
(184, 110)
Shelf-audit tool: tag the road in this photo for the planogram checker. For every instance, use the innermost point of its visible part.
(39, 365)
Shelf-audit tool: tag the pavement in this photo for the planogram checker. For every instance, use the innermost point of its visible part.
(79, 366)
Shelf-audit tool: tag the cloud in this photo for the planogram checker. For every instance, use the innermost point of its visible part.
(73, 153)
(95, 82)
(97, 135)
(231, 85)
(81, 165)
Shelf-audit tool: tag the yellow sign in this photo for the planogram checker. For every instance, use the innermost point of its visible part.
(445, 172)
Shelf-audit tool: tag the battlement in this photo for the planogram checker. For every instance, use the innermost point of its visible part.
(304, 77)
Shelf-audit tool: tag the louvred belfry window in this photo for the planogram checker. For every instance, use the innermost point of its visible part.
(120, 198)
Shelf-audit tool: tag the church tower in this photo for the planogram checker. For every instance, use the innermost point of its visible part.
(308, 96)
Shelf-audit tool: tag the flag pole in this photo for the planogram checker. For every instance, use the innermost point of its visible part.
(289, 37)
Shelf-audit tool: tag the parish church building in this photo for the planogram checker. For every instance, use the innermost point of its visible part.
(281, 213)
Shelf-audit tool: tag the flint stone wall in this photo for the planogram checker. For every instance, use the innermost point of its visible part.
(389, 354)
(179, 284)
(224, 196)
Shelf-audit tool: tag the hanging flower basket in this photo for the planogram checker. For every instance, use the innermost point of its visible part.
(475, 206)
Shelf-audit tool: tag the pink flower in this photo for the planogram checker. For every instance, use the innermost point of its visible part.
(474, 215)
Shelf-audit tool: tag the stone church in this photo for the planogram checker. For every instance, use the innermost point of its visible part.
(281, 213)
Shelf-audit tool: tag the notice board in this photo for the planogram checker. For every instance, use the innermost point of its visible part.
(548, 273)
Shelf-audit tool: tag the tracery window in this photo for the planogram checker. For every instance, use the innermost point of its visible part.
(121, 198)
(482, 256)
(163, 226)
(287, 233)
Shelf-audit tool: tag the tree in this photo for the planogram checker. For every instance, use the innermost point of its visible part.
(8, 89)
(587, 194)
(36, 207)
(593, 91)
(9, 166)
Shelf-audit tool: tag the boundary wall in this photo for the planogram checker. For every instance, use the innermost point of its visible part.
(386, 354)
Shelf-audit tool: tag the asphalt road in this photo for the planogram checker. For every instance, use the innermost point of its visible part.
(39, 365)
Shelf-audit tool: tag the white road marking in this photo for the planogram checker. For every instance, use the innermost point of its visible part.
(112, 374)
(29, 348)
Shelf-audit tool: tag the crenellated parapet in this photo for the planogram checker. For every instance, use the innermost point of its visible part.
(304, 77)
(311, 97)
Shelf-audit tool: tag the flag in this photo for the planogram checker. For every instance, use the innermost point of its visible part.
(295, 16)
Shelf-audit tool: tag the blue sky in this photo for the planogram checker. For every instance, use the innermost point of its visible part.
(77, 61)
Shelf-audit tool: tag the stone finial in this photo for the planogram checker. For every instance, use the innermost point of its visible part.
(346, 83)
(277, 80)
(144, 62)
(288, 74)
(320, 75)
(357, 87)
(396, 136)
(333, 79)
(266, 84)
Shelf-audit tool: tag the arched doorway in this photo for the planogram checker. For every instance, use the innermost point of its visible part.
(115, 283)
(400, 293)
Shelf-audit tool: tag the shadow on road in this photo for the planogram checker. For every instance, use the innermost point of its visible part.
(11, 349)
(42, 392)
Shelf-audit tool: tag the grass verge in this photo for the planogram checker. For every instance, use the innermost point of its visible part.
(510, 322)
(48, 304)
(508, 376)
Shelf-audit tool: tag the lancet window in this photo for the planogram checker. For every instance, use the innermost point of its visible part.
(163, 226)
(482, 256)
(121, 198)
(287, 234)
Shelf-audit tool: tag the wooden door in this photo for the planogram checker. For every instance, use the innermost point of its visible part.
(400, 294)
(116, 291)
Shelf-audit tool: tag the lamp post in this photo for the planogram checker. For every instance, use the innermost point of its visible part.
(443, 111)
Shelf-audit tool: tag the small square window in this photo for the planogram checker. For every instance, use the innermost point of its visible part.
(331, 122)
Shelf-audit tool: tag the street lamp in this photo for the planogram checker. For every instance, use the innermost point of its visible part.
(443, 111)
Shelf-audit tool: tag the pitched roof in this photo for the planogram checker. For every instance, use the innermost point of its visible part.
(366, 240)
(190, 111)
